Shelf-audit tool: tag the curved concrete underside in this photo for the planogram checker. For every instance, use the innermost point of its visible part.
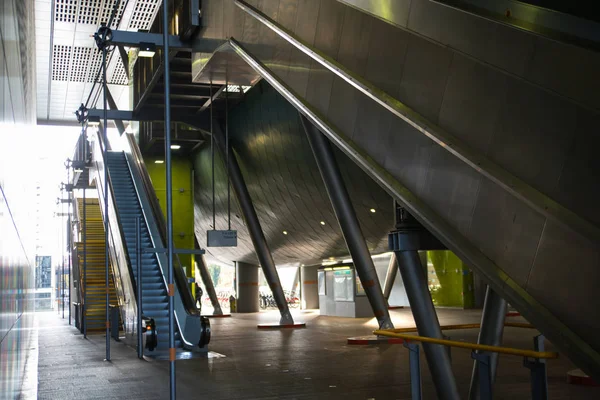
(286, 188)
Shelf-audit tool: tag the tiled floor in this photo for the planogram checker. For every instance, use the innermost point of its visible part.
(311, 363)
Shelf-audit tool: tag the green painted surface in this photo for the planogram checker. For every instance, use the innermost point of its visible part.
(450, 280)
(183, 203)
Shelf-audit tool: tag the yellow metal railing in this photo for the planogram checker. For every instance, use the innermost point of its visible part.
(464, 326)
(470, 346)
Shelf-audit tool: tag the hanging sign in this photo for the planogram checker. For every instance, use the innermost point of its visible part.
(221, 238)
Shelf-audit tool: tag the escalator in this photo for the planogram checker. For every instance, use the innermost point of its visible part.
(481, 130)
(154, 292)
(131, 198)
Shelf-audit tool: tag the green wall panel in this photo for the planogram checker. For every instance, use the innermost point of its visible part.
(450, 280)
(183, 206)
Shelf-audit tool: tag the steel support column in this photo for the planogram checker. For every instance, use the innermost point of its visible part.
(105, 158)
(256, 233)
(208, 284)
(169, 205)
(390, 277)
(438, 360)
(84, 284)
(492, 327)
(346, 216)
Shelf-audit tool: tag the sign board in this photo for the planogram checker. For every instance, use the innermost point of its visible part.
(221, 238)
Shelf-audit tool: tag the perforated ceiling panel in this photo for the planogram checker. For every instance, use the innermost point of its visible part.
(61, 56)
(119, 77)
(65, 10)
(143, 14)
(75, 59)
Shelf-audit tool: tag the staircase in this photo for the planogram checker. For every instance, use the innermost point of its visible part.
(154, 293)
(95, 280)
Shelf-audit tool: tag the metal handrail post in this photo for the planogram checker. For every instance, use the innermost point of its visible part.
(537, 366)
(414, 363)
(484, 372)
(138, 255)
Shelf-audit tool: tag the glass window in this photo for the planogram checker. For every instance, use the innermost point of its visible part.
(321, 279)
(343, 285)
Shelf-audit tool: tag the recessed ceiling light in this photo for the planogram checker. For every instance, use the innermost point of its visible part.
(285, 232)
(373, 210)
(147, 50)
(175, 147)
(322, 222)
(158, 162)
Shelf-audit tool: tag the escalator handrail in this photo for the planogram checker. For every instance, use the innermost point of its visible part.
(180, 278)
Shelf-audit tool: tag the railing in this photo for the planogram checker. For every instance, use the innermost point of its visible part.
(534, 360)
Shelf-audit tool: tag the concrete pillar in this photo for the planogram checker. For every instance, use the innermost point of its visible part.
(310, 287)
(247, 287)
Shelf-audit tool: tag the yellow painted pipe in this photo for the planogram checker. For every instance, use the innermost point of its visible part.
(470, 346)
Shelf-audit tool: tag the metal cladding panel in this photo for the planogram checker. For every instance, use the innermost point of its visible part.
(286, 188)
(472, 101)
(505, 47)
(527, 141)
(573, 74)
(450, 188)
(386, 55)
(286, 16)
(581, 167)
(506, 230)
(565, 276)
(424, 76)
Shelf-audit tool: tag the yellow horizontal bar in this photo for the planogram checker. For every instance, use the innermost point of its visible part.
(471, 346)
(463, 326)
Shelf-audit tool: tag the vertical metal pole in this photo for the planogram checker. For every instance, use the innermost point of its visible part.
(492, 327)
(415, 282)
(105, 137)
(212, 159)
(256, 234)
(346, 216)
(414, 362)
(208, 284)
(138, 254)
(227, 151)
(84, 284)
(169, 184)
(390, 277)
(65, 244)
(70, 256)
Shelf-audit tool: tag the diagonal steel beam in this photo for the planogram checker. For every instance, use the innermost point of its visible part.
(210, 100)
(113, 106)
(125, 60)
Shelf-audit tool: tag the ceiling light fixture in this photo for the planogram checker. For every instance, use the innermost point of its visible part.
(175, 147)
(285, 232)
(372, 210)
(147, 50)
(158, 162)
(322, 222)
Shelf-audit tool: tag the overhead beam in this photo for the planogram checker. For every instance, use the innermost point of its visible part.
(133, 39)
(201, 122)
(113, 106)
